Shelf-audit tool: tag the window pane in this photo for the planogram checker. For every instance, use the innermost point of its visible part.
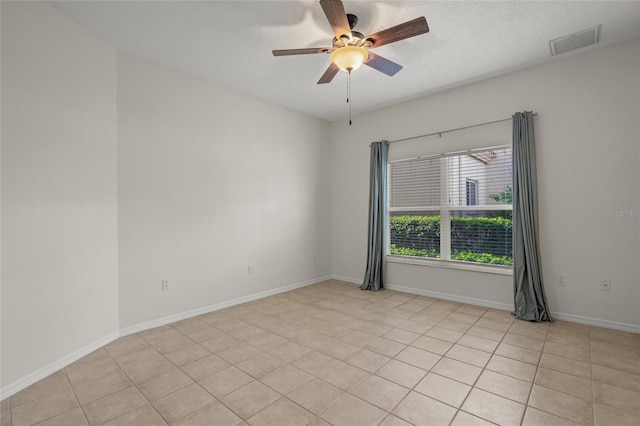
(415, 183)
(482, 236)
(415, 234)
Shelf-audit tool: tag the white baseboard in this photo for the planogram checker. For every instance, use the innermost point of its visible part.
(347, 279)
(452, 297)
(216, 307)
(597, 322)
(65, 361)
(30, 379)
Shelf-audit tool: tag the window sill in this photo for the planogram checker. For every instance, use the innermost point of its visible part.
(451, 264)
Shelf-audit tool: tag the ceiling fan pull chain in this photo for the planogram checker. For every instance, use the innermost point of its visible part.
(349, 95)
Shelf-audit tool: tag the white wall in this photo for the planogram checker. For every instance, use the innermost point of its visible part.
(211, 181)
(59, 189)
(588, 139)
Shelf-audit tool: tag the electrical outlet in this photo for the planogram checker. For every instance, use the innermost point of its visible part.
(605, 285)
(250, 269)
(165, 285)
(560, 280)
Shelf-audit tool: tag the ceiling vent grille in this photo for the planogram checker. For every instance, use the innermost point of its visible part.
(575, 41)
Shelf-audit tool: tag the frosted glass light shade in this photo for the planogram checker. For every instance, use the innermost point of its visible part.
(349, 58)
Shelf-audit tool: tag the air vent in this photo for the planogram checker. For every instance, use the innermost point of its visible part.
(575, 41)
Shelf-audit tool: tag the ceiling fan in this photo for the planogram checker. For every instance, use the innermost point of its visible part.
(351, 49)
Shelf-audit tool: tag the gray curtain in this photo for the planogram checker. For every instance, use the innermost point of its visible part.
(528, 288)
(376, 249)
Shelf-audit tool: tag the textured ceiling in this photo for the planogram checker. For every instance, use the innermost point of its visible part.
(230, 43)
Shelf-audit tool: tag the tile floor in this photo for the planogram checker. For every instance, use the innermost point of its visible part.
(331, 354)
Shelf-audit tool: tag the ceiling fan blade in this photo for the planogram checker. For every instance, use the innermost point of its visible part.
(383, 65)
(329, 74)
(334, 10)
(286, 52)
(399, 32)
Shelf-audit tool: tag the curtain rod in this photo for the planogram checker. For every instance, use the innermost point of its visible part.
(535, 114)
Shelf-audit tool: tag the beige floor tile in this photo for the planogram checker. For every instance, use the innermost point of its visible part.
(73, 417)
(126, 344)
(401, 373)
(288, 351)
(432, 344)
(173, 344)
(578, 330)
(561, 404)
(451, 336)
(314, 362)
(392, 420)
(466, 419)
(563, 382)
(212, 414)
(535, 417)
(284, 413)
(144, 415)
(315, 395)
(220, 343)
(144, 364)
(512, 367)
(617, 363)
(343, 376)
(358, 338)
(463, 318)
(385, 347)
(164, 384)
(250, 399)
(568, 339)
(505, 386)
(239, 352)
(187, 355)
(480, 343)
(530, 329)
(611, 336)
(414, 326)
(203, 334)
(499, 315)
(56, 382)
(98, 388)
(456, 370)
(380, 392)
(606, 415)
(469, 355)
(260, 365)
(502, 326)
(422, 410)
(367, 360)
(566, 351)
(5, 413)
(616, 397)
(443, 389)
(493, 408)
(487, 333)
(286, 378)
(475, 311)
(614, 349)
(351, 411)
(613, 377)
(114, 405)
(419, 358)
(523, 341)
(90, 368)
(401, 336)
(183, 402)
(451, 324)
(337, 349)
(225, 381)
(205, 367)
(518, 353)
(43, 408)
(566, 365)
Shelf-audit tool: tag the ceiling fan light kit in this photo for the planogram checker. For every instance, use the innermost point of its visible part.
(349, 58)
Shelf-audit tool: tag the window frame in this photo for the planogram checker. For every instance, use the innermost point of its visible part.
(445, 263)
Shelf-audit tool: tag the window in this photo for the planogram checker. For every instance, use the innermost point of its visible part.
(472, 192)
(453, 207)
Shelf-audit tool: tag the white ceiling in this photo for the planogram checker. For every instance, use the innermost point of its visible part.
(230, 43)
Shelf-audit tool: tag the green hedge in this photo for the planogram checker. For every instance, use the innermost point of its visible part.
(473, 239)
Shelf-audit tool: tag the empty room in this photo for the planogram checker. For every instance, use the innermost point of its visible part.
(320, 212)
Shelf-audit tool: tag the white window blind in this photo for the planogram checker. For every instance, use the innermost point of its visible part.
(453, 206)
